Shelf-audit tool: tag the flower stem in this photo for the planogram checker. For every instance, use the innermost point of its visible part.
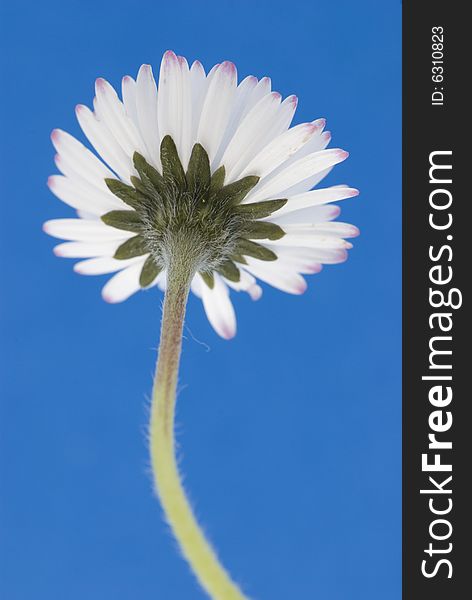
(196, 549)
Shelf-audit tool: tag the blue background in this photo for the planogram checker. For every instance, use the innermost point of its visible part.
(290, 433)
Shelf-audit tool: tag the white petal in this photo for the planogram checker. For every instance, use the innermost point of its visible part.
(128, 92)
(122, 285)
(296, 172)
(255, 292)
(104, 142)
(186, 137)
(80, 230)
(83, 214)
(84, 162)
(313, 255)
(146, 106)
(243, 93)
(276, 275)
(196, 285)
(80, 197)
(318, 142)
(335, 228)
(173, 105)
(310, 182)
(105, 264)
(245, 282)
(284, 116)
(310, 239)
(262, 88)
(313, 214)
(276, 126)
(291, 255)
(86, 249)
(212, 71)
(217, 108)
(218, 308)
(96, 189)
(316, 198)
(297, 259)
(198, 84)
(250, 136)
(279, 150)
(112, 112)
(304, 267)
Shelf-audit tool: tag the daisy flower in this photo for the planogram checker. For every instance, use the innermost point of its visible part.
(198, 184)
(198, 154)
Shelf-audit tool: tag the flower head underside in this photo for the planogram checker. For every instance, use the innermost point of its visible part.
(203, 166)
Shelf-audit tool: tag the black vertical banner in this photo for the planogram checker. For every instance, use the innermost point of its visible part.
(437, 259)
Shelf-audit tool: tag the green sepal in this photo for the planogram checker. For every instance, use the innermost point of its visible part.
(217, 180)
(262, 230)
(234, 193)
(260, 210)
(128, 220)
(135, 246)
(229, 270)
(248, 248)
(149, 272)
(208, 278)
(198, 172)
(146, 190)
(172, 169)
(124, 192)
(151, 178)
(239, 258)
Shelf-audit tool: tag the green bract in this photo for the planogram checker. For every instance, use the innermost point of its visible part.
(191, 212)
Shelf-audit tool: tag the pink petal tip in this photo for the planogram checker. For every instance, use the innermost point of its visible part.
(316, 268)
(108, 298)
(228, 67)
(227, 334)
(355, 231)
(55, 135)
(335, 211)
(255, 292)
(169, 55)
(301, 289)
(145, 68)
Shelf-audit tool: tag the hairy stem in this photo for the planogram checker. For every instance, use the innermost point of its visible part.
(196, 549)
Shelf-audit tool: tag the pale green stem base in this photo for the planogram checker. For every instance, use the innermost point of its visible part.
(196, 549)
